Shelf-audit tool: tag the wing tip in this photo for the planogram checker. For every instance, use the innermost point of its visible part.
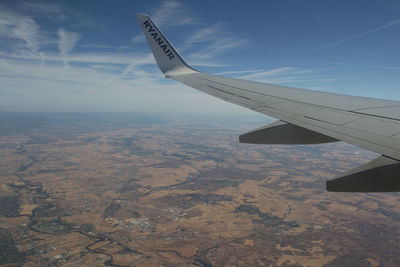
(142, 15)
(167, 57)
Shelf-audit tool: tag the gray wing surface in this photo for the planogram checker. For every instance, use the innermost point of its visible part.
(306, 116)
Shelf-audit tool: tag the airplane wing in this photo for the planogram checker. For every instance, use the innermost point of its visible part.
(305, 116)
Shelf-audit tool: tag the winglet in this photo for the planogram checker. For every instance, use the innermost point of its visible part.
(168, 59)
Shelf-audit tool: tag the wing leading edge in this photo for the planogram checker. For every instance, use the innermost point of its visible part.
(307, 117)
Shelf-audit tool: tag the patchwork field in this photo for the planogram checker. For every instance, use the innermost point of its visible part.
(136, 190)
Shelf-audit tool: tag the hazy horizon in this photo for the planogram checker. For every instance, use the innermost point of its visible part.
(71, 57)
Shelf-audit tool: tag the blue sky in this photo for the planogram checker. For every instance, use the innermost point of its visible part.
(80, 56)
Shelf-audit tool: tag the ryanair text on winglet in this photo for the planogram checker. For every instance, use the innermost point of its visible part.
(157, 37)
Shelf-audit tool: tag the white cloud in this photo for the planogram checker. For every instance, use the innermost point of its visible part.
(172, 13)
(386, 67)
(34, 76)
(206, 34)
(217, 46)
(237, 72)
(272, 72)
(55, 13)
(169, 14)
(22, 29)
(138, 38)
(96, 89)
(289, 75)
(50, 11)
(214, 37)
(97, 46)
(67, 41)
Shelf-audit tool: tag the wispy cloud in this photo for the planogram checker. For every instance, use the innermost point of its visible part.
(287, 75)
(22, 29)
(206, 34)
(387, 67)
(237, 72)
(382, 27)
(111, 58)
(213, 37)
(170, 13)
(96, 89)
(217, 46)
(48, 69)
(138, 38)
(97, 46)
(268, 72)
(52, 12)
(67, 41)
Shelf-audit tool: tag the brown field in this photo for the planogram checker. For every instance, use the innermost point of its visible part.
(131, 190)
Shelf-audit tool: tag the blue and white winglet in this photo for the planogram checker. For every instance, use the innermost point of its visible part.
(168, 59)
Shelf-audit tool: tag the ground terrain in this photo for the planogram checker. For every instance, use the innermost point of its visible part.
(128, 189)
